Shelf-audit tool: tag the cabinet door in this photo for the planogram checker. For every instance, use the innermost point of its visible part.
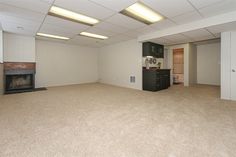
(146, 49)
(160, 51)
(233, 66)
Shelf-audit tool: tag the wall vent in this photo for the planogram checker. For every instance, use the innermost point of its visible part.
(132, 79)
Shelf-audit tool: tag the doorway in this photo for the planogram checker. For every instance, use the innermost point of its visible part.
(178, 66)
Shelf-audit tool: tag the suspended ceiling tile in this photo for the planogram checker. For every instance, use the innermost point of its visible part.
(100, 32)
(65, 24)
(48, 1)
(178, 38)
(162, 41)
(204, 3)
(19, 28)
(124, 21)
(110, 27)
(200, 33)
(115, 5)
(85, 7)
(169, 8)
(187, 17)
(166, 23)
(32, 5)
(55, 30)
(218, 8)
(222, 28)
(145, 30)
(10, 11)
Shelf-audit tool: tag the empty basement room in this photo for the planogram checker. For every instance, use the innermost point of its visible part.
(117, 78)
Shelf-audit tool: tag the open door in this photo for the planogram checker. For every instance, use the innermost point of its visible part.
(233, 66)
(178, 66)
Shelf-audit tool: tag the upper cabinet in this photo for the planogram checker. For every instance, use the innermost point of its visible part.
(153, 49)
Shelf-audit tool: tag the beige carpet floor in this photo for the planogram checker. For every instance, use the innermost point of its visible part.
(96, 120)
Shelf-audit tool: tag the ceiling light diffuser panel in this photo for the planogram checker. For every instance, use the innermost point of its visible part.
(72, 16)
(142, 13)
(91, 35)
(52, 36)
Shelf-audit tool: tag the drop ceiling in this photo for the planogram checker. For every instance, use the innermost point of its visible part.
(28, 17)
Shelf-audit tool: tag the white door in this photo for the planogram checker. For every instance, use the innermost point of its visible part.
(233, 66)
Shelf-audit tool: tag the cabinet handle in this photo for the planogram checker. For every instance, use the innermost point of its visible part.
(233, 70)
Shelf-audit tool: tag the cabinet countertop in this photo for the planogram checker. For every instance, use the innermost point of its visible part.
(155, 69)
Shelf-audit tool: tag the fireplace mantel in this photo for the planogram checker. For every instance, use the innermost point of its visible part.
(19, 66)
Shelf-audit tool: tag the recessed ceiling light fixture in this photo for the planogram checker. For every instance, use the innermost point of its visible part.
(91, 35)
(52, 36)
(142, 13)
(72, 16)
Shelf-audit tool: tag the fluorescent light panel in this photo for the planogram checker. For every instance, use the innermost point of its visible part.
(91, 35)
(142, 13)
(72, 16)
(52, 36)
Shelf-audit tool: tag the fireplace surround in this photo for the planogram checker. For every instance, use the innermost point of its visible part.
(19, 77)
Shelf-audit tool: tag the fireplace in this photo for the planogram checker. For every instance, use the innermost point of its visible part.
(19, 83)
(19, 77)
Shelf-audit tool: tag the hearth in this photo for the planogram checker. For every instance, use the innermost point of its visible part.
(19, 77)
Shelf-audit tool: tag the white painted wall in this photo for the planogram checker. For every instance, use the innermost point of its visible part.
(208, 64)
(63, 64)
(18, 48)
(186, 61)
(192, 64)
(120, 61)
(1, 46)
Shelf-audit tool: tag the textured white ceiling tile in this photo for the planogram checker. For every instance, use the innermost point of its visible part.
(178, 38)
(115, 5)
(10, 11)
(55, 30)
(204, 38)
(100, 32)
(222, 28)
(86, 41)
(162, 41)
(85, 7)
(65, 24)
(48, 1)
(19, 28)
(200, 33)
(125, 21)
(20, 21)
(169, 8)
(110, 27)
(204, 3)
(18, 25)
(132, 33)
(217, 35)
(116, 39)
(166, 23)
(145, 30)
(33, 5)
(187, 17)
(219, 8)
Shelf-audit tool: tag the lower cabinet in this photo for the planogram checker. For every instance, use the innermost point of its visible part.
(155, 80)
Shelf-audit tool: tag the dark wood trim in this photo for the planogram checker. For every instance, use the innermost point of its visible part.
(19, 66)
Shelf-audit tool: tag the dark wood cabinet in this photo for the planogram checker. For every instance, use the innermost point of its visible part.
(156, 79)
(153, 49)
